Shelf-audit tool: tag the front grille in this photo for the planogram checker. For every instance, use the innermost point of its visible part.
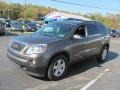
(17, 46)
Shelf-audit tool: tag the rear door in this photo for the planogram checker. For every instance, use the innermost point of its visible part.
(105, 34)
(93, 35)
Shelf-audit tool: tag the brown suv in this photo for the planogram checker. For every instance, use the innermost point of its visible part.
(50, 50)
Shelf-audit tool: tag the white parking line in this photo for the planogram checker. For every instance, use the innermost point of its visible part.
(53, 84)
(94, 80)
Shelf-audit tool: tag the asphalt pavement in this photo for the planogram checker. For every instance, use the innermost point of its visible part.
(86, 75)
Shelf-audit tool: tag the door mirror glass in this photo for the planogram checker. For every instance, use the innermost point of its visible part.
(76, 36)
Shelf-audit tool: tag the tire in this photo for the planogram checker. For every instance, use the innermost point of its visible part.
(103, 55)
(1, 33)
(54, 73)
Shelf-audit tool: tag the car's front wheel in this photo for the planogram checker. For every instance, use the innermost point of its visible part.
(58, 68)
(2, 33)
(103, 55)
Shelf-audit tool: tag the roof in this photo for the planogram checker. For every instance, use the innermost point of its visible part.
(67, 15)
(70, 21)
(75, 22)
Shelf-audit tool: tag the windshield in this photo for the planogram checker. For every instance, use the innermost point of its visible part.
(15, 24)
(55, 29)
(32, 24)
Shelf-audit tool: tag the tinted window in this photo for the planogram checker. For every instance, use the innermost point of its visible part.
(103, 29)
(80, 31)
(32, 24)
(55, 29)
(92, 29)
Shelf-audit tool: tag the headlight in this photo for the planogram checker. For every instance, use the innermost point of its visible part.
(35, 49)
(29, 27)
(12, 28)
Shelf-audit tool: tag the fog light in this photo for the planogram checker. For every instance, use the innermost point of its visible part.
(32, 62)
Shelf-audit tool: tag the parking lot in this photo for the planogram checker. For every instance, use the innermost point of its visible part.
(86, 75)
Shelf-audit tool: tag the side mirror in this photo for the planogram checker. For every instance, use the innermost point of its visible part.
(76, 36)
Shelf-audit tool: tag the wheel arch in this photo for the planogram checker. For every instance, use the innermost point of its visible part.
(65, 53)
(107, 45)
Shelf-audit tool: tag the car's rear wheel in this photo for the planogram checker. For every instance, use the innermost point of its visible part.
(2, 33)
(58, 68)
(103, 55)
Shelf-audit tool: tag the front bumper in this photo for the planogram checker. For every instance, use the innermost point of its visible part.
(39, 69)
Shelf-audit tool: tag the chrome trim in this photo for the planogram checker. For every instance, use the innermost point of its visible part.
(87, 50)
(16, 58)
(18, 52)
(87, 36)
(22, 51)
(93, 35)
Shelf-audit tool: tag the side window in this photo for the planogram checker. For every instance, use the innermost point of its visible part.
(103, 29)
(92, 29)
(80, 32)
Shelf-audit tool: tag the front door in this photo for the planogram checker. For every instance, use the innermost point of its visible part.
(79, 46)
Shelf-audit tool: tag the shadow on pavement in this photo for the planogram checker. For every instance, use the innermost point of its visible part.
(112, 55)
(89, 63)
(85, 65)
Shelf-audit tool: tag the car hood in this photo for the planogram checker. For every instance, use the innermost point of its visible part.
(36, 39)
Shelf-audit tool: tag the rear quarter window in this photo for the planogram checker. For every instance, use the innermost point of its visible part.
(103, 29)
(92, 29)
